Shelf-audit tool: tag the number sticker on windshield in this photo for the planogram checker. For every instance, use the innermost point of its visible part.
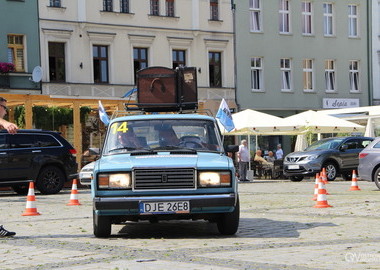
(119, 127)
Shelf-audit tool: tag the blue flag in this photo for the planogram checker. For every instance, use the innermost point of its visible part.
(103, 115)
(130, 92)
(225, 117)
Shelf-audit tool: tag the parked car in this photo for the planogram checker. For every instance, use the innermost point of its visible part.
(85, 174)
(44, 157)
(369, 163)
(339, 155)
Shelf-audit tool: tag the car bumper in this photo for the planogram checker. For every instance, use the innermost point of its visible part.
(199, 204)
(303, 169)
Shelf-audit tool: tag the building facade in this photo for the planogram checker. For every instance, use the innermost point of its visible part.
(19, 45)
(93, 48)
(297, 55)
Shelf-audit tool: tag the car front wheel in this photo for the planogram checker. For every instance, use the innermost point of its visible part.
(228, 223)
(50, 180)
(331, 171)
(102, 225)
(376, 178)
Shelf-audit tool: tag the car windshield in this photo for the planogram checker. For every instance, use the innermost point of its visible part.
(162, 135)
(325, 144)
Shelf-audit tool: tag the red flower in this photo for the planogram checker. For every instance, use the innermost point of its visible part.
(7, 67)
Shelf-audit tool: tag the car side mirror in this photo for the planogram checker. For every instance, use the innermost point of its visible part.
(231, 148)
(344, 147)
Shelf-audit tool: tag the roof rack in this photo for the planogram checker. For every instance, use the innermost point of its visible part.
(132, 110)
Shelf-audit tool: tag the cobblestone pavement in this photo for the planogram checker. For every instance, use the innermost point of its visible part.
(279, 229)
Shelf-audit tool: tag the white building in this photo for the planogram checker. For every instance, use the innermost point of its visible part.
(92, 48)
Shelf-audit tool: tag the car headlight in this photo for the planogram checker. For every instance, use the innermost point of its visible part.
(115, 181)
(214, 179)
(312, 157)
(85, 174)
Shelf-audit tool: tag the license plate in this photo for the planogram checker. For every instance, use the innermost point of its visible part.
(293, 167)
(176, 207)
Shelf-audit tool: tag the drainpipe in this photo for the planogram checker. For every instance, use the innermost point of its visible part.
(369, 52)
(233, 8)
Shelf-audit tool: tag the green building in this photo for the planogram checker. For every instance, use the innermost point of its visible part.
(19, 44)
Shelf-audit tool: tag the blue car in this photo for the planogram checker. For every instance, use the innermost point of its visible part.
(164, 167)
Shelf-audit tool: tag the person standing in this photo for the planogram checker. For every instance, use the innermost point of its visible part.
(11, 128)
(243, 160)
(279, 152)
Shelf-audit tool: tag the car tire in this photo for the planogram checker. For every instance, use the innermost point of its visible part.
(331, 171)
(296, 178)
(21, 189)
(102, 225)
(50, 180)
(376, 178)
(228, 223)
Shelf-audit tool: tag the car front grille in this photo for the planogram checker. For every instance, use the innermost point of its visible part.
(164, 179)
(294, 159)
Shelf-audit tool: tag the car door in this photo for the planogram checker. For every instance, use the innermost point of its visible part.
(349, 156)
(20, 156)
(3, 157)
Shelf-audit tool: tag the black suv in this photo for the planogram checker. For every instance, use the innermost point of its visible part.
(338, 155)
(44, 157)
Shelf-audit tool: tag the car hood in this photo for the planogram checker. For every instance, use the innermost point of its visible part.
(127, 162)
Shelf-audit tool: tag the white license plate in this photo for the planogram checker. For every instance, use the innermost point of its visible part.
(176, 207)
(293, 167)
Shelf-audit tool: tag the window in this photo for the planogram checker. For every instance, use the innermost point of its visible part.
(16, 52)
(354, 76)
(124, 6)
(179, 58)
(353, 21)
(255, 15)
(45, 141)
(307, 18)
(57, 72)
(330, 75)
(214, 10)
(155, 7)
(100, 61)
(55, 3)
(140, 59)
(308, 75)
(215, 69)
(284, 16)
(286, 74)
(328, 19)
(107, 5)
(170, 8)
(256, 74)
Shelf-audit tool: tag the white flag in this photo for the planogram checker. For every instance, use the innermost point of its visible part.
(103, 115)
(224, 116)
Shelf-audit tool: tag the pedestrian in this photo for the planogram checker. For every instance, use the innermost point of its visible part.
(11, 128)
(279, 152)
(243, 160)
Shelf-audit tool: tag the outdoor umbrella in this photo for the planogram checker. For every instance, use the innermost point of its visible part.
(315, 122)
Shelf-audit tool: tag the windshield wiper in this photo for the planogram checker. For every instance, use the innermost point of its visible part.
(173, 147)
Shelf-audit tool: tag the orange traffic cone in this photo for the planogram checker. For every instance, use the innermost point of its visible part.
(354, 183)
(321, 198)
(31, 209)
(316, 187)
(74, 194)
(324, 176)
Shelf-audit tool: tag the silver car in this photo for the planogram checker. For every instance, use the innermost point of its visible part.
(369, 163)
(85, 174)
(338, 155)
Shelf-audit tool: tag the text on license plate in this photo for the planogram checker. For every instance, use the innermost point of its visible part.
(293, 167)
(176, 207)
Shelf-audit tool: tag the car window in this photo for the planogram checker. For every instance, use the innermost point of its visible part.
(45, 141)
(377, 145)
(365, 143)
(324, 144)
(21, 141)
(3, 144)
